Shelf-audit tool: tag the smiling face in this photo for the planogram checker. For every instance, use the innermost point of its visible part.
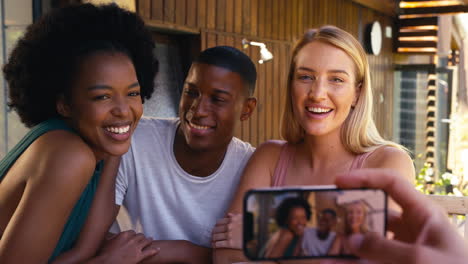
(326, 221)
(297, 220)
(105, 103)
(355, 216)
(213, 102)
(323, 88)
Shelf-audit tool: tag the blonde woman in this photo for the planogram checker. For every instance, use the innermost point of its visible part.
(327, 124)
(355, 222)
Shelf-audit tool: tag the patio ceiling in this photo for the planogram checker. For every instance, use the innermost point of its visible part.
(418, 23)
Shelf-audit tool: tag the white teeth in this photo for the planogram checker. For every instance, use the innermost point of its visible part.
(198, 127)
(318, 109)
(118, 130)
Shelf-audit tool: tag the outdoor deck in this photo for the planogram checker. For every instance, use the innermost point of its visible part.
(455, 206)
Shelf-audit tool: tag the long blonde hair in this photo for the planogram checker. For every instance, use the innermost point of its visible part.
(363, 228)
(358, 133)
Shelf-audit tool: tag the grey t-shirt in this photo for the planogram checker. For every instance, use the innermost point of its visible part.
(163, 201)
(313, 246)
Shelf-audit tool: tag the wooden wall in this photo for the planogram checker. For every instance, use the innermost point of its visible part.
(277, 23)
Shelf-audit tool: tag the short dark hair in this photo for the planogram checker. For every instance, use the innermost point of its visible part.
(283, 210)
(329, 211)
(231, 59)
(44, 62)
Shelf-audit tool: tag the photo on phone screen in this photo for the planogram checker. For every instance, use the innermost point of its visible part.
(309, 223)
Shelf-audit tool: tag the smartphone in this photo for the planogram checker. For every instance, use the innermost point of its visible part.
(309, 221)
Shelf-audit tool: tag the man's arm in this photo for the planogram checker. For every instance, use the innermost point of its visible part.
(179, 251)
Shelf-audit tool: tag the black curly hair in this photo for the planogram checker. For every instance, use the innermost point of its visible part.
(232, 59)
(42, 66)
(283, 210)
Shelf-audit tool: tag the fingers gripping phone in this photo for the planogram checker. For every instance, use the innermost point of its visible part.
(309, 222)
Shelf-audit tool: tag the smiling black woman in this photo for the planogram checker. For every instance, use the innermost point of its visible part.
(78, 78)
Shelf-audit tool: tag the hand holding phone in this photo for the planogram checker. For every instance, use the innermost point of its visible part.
(309, 222)
(423, 234)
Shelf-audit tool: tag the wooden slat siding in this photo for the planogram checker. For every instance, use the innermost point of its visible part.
(238, 16)
(295, 28)
(325, 16)
(229, 13)
(262, 95)
(268, 96)
(318, 12)
(210, 40)
(339, 16)
(192, 13)
(220, 15)
(253, 19)
(281, 61)
(144, 8)
(252, 123)
(313, 20)
(276, 92)
(288, 21)
(157, 10)
(274, 20)
(294, 25)
(355, 10)
(333, 13)
(280, 19)
(306, 13)
(349, 18)
(261, 17)
(220, 40)
(246, 133)
(169, 11)
(270, 17)
(211, 14)
(300, 18)
(201, 14)
(180, 12)
(242, 17)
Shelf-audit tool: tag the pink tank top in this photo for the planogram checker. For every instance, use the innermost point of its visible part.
(286, 155)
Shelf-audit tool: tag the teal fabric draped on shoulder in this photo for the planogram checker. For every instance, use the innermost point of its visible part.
(289, 252)
(80, 211)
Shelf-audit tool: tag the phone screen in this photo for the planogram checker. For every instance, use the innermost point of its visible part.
(303, 223)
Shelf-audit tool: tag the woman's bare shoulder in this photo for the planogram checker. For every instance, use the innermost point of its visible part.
(271, 147)
(267, 154)
(391, 158)
(60, 155)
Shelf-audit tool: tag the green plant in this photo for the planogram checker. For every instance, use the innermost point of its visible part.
(446, 184)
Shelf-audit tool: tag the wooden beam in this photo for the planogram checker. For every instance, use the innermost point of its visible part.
(387, 7)
(417, 21)
(434, 10)
(417, 44)
(170, 27)
(418, 33)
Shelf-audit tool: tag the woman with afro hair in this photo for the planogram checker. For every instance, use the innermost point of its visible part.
(291, 216)
(77, 78)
